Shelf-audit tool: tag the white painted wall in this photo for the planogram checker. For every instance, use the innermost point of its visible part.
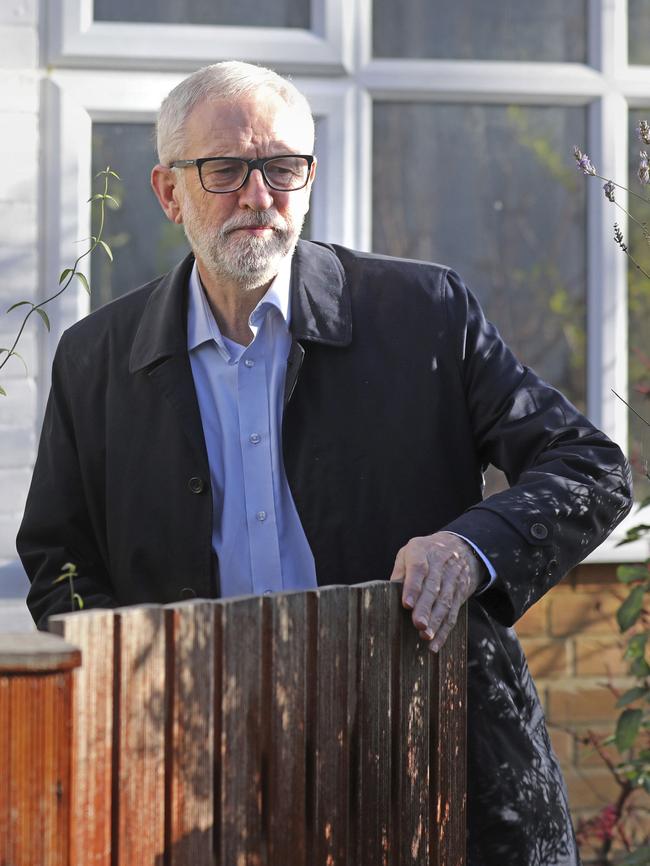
(19, 198)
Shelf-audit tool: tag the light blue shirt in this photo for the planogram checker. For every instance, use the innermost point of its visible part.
(257, 536)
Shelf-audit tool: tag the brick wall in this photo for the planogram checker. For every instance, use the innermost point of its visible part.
(575, 653)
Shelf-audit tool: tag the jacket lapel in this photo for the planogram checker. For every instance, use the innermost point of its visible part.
(159, 351)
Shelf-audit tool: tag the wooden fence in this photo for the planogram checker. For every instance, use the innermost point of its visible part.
(300, 729)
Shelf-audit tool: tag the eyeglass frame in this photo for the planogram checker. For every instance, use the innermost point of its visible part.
(251, 165)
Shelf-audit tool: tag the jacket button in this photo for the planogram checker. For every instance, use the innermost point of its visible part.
(196, 485)
(539, 531)
(187, 592)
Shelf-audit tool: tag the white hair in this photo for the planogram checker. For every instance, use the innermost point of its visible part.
(229, 80)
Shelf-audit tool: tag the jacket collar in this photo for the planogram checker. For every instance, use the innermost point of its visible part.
(320, 306)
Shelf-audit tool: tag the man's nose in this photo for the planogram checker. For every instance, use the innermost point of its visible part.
(255, 194)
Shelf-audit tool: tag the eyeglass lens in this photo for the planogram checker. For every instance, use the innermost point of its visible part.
(284, 173)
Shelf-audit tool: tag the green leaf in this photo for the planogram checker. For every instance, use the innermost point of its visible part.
(636, 646)
(635, 534)
(3, 393)
(112, 198)
(97, 196)
(639, 668)
(19, 304)
(44, 317)
(630, 696)
(82, 279)
(69, 567)
(112, 173)
(60, 579)
(64, 274)
(630, 610)
(76, 597)
(640, 857)
(630, 573)
(627, 728)
(107, 249)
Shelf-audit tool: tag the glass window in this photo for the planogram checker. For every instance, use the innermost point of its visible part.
(493, 192)
(466, 30)
(245, 13)
(639, 31)
(145, 243)
(638, 317)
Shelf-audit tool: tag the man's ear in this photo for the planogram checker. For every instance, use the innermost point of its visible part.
(166, 189)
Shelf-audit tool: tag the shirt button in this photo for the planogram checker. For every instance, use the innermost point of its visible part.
(261, 516)
(255, 438)
(249, 362)
(196, 485)
(539, 531)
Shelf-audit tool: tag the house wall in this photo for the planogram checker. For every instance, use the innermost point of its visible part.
(19, 234)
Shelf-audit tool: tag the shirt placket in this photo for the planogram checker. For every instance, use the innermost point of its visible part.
(255, 443)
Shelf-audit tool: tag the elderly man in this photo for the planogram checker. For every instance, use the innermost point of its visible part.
(276, 414)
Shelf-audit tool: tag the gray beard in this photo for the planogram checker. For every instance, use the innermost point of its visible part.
(249, 262)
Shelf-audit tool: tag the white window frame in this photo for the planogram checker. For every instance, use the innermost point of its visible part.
(76, 39)
(335, 68)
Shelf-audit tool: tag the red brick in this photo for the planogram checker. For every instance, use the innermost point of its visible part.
(580, 705)
(535, 620)
(546, 658)
(591, 789)
(595, 578)
(590, 613)
(600, 657)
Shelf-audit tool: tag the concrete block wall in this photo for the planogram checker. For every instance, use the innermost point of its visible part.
(19, 235)
(575, 653)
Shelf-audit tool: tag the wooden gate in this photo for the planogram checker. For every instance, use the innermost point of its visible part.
(299, 729)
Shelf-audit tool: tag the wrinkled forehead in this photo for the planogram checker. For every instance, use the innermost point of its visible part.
(262, 124)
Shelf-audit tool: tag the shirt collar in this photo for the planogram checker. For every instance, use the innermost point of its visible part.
(201, 324)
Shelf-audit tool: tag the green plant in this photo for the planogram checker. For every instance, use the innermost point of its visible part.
(631, 736)
(99, 200)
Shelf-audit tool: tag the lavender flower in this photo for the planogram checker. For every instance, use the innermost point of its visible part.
(584, 163)
(608, 189)
(643, 131)
(644, 169)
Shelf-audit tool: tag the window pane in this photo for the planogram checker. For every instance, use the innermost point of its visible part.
(145, 244)
(639, 31)
(493, 192)
(638, 319)
(245, 13)
(466, 30)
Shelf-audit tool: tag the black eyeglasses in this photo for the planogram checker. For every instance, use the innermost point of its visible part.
(229, 173)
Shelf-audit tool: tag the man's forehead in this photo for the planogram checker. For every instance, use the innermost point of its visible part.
(258, 121)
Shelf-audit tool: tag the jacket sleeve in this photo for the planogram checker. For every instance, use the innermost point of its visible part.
(57, 525)
(569, 484)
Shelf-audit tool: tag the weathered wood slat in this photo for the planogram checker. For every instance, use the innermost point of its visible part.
(328, 743)
(416, 670)
(448, 753)
(286, 638)
(191, 752)
(141, 719)
(239, 826)
(92, 734)
(377, 622)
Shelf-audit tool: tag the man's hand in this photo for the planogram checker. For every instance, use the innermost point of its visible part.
(440, 572)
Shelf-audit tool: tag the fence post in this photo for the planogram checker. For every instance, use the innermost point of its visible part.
(35, 748)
